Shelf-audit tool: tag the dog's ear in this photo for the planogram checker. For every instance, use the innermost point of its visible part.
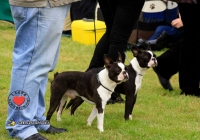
(119, 59)
(107, 61)
(149, 47)
(135, 51)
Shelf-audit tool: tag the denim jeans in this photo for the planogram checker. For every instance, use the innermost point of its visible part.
(176, 34)
(36, 50)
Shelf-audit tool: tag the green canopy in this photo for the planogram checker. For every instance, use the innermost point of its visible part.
(5, 12)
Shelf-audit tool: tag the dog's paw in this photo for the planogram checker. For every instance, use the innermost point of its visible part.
(58, 116)
(130, 117)
(100, 128)
(58, 119)
(89, 123)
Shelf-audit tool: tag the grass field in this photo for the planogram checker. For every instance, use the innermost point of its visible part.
(158, 114)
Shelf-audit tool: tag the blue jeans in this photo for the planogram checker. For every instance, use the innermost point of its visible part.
(36, 50)
(175, 33)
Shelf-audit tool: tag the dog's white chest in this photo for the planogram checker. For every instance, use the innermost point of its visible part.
(138, 82)
(104, 94)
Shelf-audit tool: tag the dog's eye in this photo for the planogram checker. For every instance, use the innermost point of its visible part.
(146, 59)
(118, 71)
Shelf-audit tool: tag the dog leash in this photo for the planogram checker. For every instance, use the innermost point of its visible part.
(104, 86)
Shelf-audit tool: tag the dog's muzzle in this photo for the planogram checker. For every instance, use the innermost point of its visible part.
(126, 77)
(155, 61)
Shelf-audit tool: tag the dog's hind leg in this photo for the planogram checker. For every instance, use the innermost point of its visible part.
(61, 107)
(92, 116)
(54, 102)
(71, 102)
(76, 104)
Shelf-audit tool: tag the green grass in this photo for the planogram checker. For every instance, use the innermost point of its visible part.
(158, 114)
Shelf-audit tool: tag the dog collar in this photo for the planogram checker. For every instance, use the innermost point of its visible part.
(104, 86)
(135, 71)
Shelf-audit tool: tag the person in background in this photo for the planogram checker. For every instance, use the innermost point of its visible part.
(170, 37)
(183, 56)
(38, 27)
(67, 26)
(168, 65)
(164, 36)
(83, 9)
(189, 62)
(79, 10)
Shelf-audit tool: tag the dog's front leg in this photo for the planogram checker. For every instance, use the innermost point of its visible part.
(100, 116)
(92, 116)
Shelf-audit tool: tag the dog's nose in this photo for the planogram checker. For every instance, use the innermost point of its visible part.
(125, 74)
(155, 61)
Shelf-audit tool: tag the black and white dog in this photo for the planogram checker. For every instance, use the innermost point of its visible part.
(142, 61)
(95, 88)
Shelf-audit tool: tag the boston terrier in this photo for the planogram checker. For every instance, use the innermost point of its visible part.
(142, 61)
(92, 87)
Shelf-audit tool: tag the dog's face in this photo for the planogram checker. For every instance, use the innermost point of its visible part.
(117, 71)
(146, 58)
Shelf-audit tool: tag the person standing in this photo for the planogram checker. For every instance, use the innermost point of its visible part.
(120, 16)
(38, 27)
(189, 67)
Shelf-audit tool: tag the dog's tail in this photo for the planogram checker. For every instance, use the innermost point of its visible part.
(56, 74)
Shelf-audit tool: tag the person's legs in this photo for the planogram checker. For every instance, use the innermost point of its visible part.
(119, 23)
(168, 62)
(189, 69)
(159, 30)
(100, 49)
(126, 15)
(175, 33)
(38, 35)
(108, 11)
(168, 65)
(164, 36)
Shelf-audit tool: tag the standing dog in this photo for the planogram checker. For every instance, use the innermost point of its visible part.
(91, 87)
(142, 60)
